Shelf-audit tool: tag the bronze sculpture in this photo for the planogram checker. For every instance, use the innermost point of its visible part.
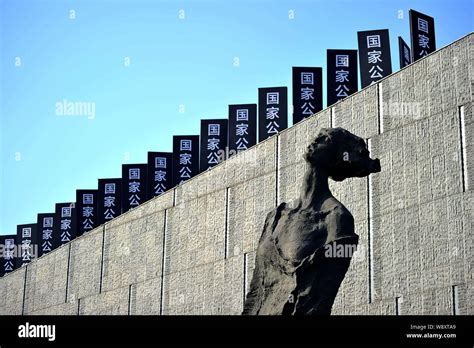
(293, 273)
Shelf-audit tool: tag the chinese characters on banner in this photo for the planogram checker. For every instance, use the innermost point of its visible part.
(7, 254)
(86, 211)
(341, 74)
(45, 225)
(272, 111)
(374, 55)
(133, 185)
(422, 34)
(404, 53)
(64, 226)
(109, 199)
(242, 127)
(159, 173)
(27, 244)
(185, 157)
(213, 143)
(307, 92)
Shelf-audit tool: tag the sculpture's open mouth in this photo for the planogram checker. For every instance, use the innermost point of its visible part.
(372, 166)
(357, 169)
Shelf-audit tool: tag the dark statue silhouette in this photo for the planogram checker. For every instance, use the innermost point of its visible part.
(294, 273)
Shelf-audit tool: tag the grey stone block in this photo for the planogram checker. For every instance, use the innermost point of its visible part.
(85, 265)
(233, 285)
(465, 293)
(133, 251)
(196, 232)
(67, 308)
(249, 204)
(152, 206)
(461, 67)
(114, 302)
(46, 280)
(212, 288)
(359, 114)
(146, 297)
(11, 292)
(470, 44)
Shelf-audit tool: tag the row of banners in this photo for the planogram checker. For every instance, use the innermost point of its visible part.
(219, 140)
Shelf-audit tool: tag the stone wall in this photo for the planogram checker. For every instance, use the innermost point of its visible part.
(192, 250)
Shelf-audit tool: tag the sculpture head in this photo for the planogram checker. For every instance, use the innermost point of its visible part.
(340, 154)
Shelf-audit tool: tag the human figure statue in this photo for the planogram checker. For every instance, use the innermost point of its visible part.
(296, 271)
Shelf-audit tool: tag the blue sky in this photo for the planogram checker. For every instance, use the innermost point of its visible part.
(174, 61)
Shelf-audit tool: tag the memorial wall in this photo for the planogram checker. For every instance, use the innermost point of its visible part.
(191, 250)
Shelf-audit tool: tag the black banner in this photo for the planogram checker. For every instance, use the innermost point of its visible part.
(213, 143)
(109, 200)
(374, 55)
(133, 185)
(422, 35)
(185, 157)
(27, 244)
(64, 227)
(404, 53)
(341, 74)
(242, 127)
(45, 224)
(160, 175)
(307, 92)
(86, 211)
(272, 111)
(7, 254)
